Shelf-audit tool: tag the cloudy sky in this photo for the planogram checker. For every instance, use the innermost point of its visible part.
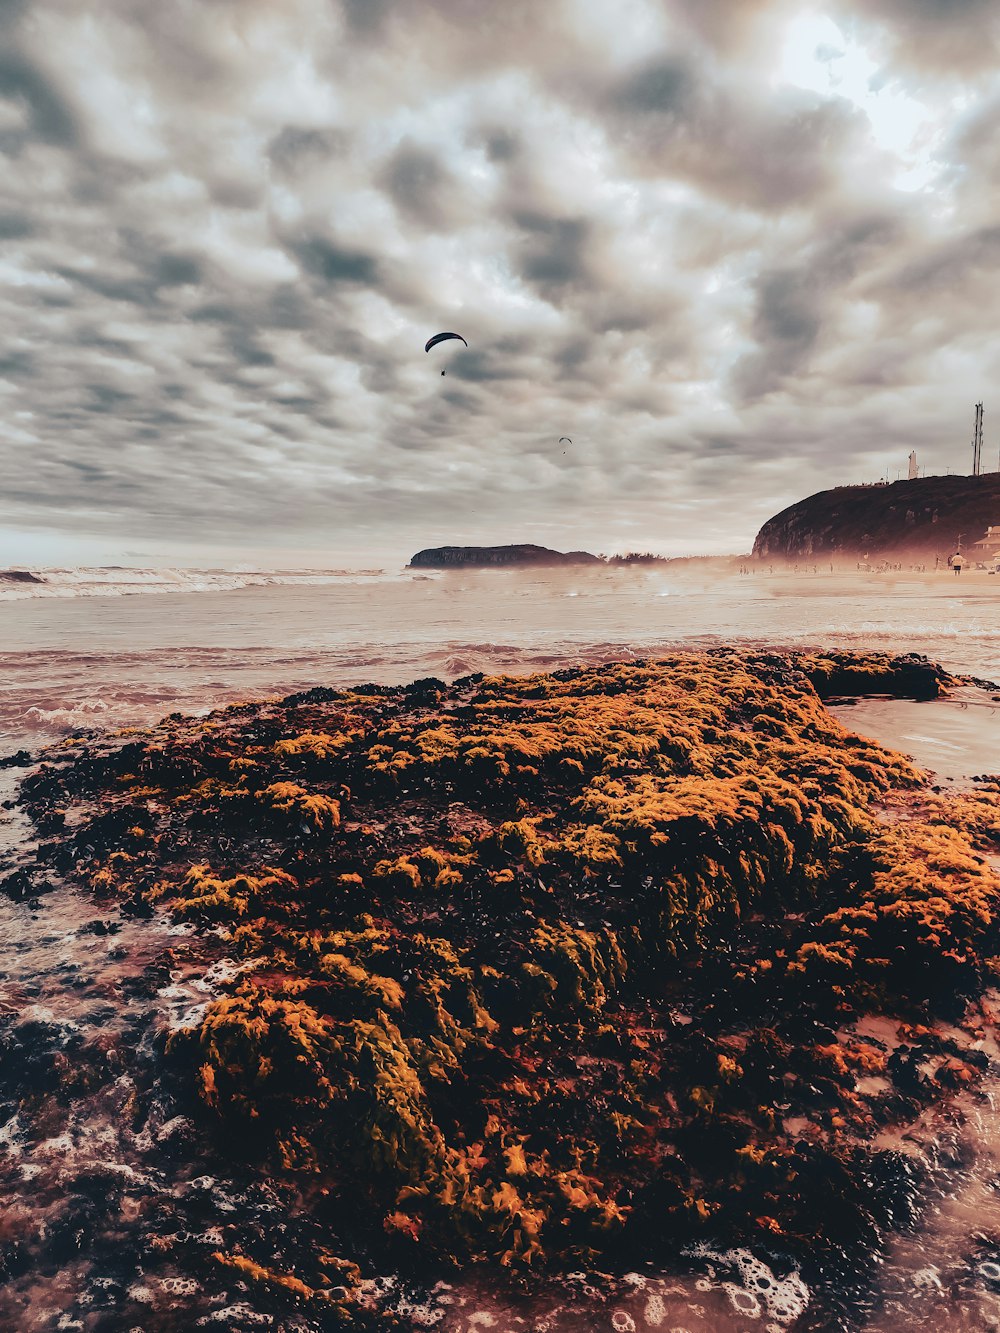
(738, 250)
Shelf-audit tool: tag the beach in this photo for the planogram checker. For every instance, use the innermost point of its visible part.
(643, 992)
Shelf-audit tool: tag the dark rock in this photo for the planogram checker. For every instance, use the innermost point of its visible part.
(428, 690)
(73, 1233)
(21, 887)
(21, 759)
(320, 694)
(15, 1260)
(99, 927)
(19, 576)
(137, 906)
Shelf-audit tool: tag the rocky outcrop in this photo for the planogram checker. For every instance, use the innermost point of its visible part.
(19, 576)
(444, 557)
(926, 516)
(512, 972)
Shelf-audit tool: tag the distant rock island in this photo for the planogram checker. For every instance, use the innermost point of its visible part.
(926, 515)
(445, 557)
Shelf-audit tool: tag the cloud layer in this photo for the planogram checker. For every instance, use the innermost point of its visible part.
(737, 251)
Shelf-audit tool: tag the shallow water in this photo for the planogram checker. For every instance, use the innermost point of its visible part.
(945, 1274)
(957, 738)
(80, 662)
(731, 1291)
(94, 1154)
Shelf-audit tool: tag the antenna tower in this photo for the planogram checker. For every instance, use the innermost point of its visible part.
(977, 441)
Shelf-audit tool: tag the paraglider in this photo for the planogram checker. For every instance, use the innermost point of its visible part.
(440, 338)
(564, 439)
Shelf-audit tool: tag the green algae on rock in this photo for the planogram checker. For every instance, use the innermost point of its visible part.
(541, 970)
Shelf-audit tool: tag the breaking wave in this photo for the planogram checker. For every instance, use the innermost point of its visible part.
(115, 581)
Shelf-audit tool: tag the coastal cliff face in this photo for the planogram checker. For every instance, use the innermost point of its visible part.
(926, 515)
(444, 557)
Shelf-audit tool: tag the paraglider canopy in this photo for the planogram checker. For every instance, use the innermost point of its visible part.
(440, 338)
(564, 439)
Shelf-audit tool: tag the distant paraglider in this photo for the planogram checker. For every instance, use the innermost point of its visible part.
(564, 439)
(440, 338)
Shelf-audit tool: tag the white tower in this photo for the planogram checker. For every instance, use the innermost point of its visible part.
(913, 473)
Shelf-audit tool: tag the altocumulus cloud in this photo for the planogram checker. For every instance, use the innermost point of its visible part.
(738, 251)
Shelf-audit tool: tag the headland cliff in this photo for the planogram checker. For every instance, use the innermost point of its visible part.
(927, 515)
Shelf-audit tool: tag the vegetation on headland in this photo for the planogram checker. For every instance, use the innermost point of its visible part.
(636, 558)
(539, 971)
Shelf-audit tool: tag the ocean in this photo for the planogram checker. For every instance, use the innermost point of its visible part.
(117, 648)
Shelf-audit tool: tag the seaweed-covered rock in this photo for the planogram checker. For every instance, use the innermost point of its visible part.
(537, 970)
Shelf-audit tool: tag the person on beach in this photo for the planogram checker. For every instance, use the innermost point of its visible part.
(957, 561)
